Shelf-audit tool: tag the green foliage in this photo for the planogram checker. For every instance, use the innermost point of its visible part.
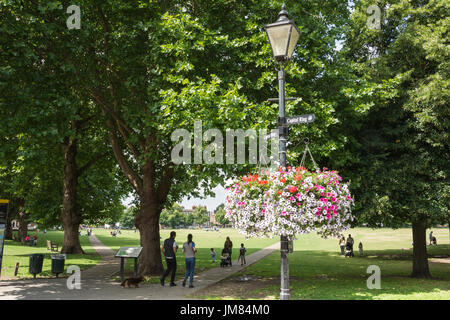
(403, 146)
(128, 217)
(173, 217)
(219, 214)
(201, 215)
(45, 114)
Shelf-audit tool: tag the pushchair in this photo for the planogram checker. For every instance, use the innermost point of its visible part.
(433, 240)
(225, 259)
(349, 250)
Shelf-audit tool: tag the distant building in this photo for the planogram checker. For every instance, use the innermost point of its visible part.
(212, 218)
(188, 211)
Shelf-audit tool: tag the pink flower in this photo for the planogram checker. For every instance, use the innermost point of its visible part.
(333, 199)
(291, 198)
(329, 194)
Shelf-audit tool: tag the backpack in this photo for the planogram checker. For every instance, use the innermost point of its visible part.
(168, 248)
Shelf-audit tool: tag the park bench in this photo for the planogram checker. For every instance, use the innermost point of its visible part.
(52, 246)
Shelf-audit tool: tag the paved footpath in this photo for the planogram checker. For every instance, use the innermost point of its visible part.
(96, 283)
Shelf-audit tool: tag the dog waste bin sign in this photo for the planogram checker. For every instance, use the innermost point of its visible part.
(128, 252)
(3, 219)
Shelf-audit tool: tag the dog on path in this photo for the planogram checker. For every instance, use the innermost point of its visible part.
(132, 282)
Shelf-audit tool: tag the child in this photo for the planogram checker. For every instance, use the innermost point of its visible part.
(213, 255)
(242, 252)
(360, 246)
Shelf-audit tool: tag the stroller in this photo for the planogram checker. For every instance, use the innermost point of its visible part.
(225, 258)
(349, 250)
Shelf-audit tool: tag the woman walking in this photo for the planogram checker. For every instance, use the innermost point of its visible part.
(189, 251)
(229, 246)
(342, 245)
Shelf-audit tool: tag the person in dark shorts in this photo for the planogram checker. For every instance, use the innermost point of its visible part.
(242, 252)
(169, 249)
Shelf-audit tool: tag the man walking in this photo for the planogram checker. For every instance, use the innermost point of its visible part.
(169, 249)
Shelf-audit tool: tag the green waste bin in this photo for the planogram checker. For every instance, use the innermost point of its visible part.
(36, 261)
(58, 261)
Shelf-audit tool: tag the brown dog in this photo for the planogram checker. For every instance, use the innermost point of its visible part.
(132, 282)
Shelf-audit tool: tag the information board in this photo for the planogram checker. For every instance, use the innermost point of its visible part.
(128, 252)
(3, 219)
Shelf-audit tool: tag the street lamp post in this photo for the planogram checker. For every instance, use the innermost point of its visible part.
(283, 36)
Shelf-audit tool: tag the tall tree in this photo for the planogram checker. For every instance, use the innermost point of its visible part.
(53, 134)
(219, 214)
(153, 67)
(404, 143)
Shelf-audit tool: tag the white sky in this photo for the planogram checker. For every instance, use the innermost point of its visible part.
(211, 203)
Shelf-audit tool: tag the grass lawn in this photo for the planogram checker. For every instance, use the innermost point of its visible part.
(318, 271)
(16, 252)
(204, 241)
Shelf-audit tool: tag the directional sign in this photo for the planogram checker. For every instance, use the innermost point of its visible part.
(304, 118)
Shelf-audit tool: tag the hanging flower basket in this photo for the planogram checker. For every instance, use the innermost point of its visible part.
(288, 203)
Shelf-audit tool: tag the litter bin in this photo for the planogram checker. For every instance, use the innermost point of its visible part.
(36, 261)
(58, 261)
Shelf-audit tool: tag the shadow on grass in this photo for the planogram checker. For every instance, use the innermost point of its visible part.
(321, 275)
(17, 252)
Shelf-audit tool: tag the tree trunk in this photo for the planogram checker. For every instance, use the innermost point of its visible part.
(23, 227)
(69, 215)
(147, 221)
(9, 218)
(71, 243)
(420, 256)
